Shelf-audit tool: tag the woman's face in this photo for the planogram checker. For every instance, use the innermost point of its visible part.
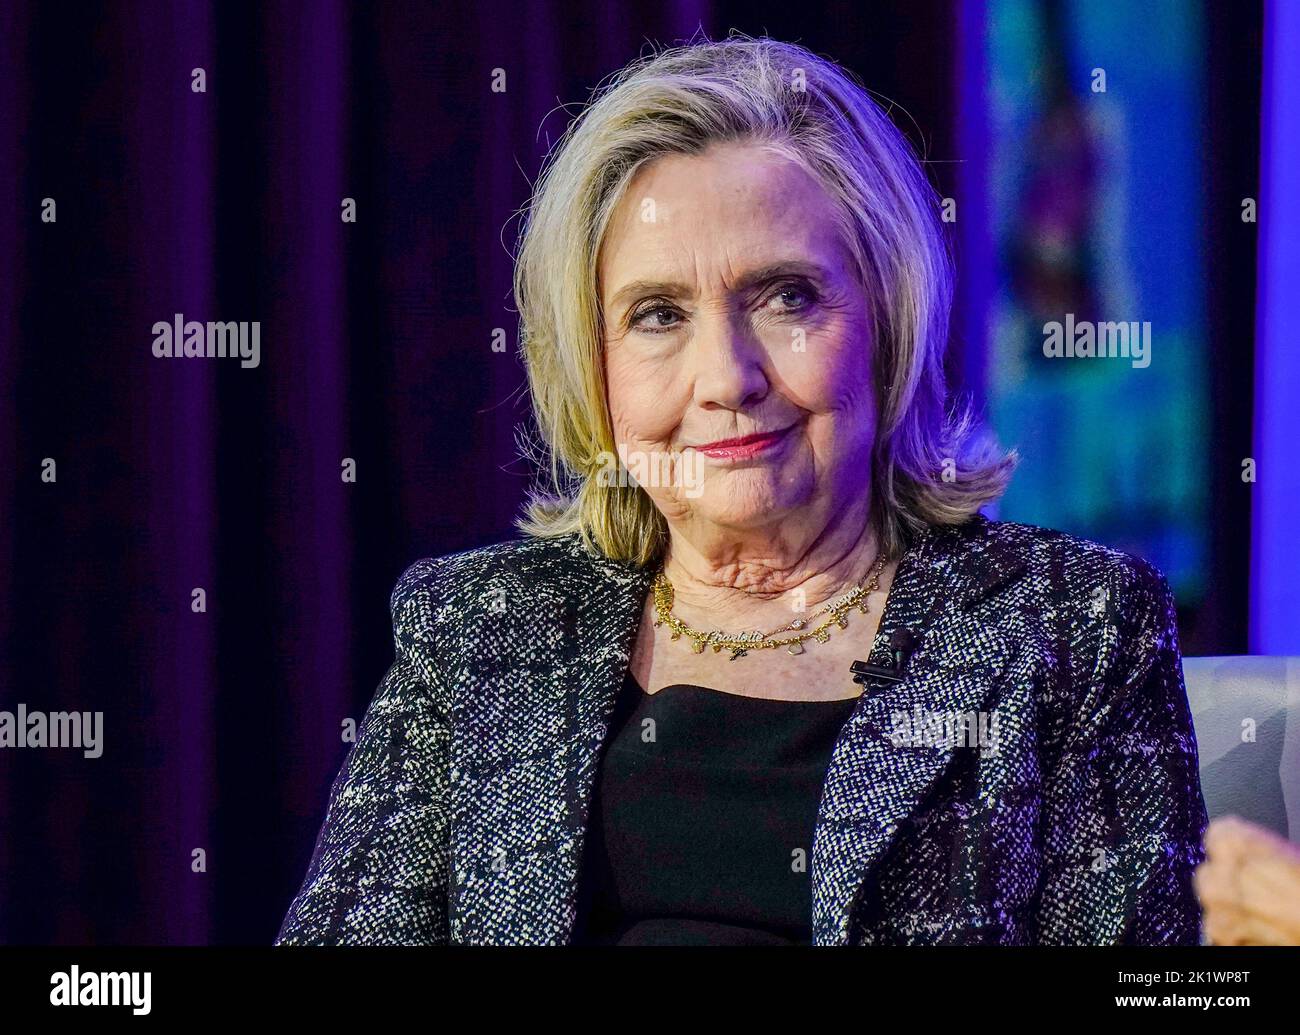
(732, 311)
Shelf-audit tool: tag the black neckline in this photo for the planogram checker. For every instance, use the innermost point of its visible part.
(727, 694)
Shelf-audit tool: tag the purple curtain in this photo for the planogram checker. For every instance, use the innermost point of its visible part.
(222, 727)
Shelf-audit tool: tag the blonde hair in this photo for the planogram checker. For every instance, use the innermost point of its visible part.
(929, 465)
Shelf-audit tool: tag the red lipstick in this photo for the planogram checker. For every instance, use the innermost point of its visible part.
(744, 447)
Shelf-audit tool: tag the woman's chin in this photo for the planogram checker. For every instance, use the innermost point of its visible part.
(750, 497)
(741, 514)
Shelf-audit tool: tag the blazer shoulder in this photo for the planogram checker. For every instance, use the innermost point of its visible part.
(537, 565)
(509, 603)
(1109, 619)
(1095, 597)
(1075, 563)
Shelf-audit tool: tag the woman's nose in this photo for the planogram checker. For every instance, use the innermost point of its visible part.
(729, 366)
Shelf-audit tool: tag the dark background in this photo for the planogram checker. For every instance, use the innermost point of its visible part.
(222, 729)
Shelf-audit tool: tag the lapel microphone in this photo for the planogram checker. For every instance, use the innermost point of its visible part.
(902, 644)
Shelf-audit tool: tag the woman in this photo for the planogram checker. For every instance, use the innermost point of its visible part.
(759, 671)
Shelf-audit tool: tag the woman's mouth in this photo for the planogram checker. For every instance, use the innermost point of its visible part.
(744, 447)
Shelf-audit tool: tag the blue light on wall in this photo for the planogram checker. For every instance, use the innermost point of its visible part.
(1275, 540)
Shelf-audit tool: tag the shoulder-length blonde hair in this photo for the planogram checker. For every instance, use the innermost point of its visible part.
(929, 464)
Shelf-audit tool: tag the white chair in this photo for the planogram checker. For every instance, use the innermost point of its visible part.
(1246, 711)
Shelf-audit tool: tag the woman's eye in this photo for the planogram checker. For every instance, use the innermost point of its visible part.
(651, 319)
(802, 298)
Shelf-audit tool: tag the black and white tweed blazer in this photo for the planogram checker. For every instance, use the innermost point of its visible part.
(459, 813)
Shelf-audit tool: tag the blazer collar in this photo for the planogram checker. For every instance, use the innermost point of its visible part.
(872, 785)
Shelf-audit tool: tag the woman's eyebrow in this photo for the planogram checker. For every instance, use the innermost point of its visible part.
(676, 289)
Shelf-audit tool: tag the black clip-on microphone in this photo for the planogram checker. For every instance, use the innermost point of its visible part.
(902, 644)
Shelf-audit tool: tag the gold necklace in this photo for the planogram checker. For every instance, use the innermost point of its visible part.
(741, 644)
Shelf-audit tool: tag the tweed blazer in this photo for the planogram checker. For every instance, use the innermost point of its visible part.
(459, 814)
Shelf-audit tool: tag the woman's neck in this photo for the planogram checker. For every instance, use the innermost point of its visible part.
(762, 580)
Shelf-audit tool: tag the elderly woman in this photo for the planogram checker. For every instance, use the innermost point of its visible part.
(759, 672)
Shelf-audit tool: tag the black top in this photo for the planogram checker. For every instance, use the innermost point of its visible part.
(702, 819)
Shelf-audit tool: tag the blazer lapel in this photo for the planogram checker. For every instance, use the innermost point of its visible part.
(875, 779)
(529, 804)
